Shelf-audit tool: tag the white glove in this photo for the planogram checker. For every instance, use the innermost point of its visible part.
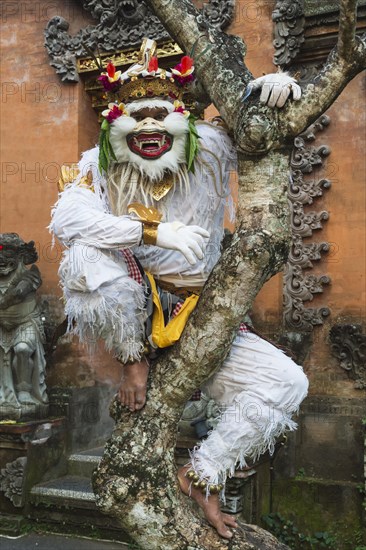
(190, 240)
(276, 89)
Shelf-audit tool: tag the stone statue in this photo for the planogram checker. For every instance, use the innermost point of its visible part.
(22, 362)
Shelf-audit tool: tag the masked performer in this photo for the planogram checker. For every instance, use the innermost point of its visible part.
(142, 222)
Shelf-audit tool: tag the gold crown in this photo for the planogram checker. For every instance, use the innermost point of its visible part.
(137, 83)
(149, 86)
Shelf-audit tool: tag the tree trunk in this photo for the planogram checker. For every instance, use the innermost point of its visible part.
(136, 481)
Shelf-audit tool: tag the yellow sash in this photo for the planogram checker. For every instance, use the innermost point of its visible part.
(166, 335)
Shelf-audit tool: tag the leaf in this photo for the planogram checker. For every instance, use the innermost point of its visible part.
(105, 125)
(111, 151)
(105, 145)
(192, 144)
(106, 152)
(103, 161)
(103, 155)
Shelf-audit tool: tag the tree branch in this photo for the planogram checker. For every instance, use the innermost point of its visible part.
(347, 29)
(218, 57)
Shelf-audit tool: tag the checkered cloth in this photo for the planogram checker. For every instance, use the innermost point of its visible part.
(196, 396)
(177, 309)
(133, 269)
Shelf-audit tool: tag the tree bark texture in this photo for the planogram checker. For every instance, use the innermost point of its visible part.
(136, 480)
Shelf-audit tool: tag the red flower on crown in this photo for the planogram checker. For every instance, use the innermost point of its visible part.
(114, 111)
(111, 71)
(153, 65)
(111, 80)
(183, 72)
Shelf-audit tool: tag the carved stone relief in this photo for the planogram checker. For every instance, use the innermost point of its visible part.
(219, 13)
(326, 11)
(348, 344)
(299, 285)
(120, 25)
(11, 480)
(289, 20)
(295, 19)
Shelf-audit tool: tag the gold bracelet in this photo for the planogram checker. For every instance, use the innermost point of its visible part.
(150, 219)
(149, 233)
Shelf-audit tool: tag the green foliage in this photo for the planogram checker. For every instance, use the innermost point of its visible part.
(191, 143)
(105, 148)
(301, 473)
(288, 533)
(26, 528)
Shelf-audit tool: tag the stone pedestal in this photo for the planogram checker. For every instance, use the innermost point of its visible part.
(27, 451)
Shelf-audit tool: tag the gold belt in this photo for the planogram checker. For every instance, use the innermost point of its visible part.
(182, 292)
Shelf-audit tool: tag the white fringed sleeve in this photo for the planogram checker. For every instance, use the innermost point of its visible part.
(101, 300)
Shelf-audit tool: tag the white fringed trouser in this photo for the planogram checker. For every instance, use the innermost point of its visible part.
(259, 389)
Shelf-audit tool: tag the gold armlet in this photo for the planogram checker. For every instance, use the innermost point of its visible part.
(68, 174)
(150, 218)
(149, 233)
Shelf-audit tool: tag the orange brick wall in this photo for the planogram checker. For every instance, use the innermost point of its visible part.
(45, 123)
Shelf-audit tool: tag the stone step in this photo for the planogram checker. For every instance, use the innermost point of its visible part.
(71, 491)
(67, 505)
(84, 462)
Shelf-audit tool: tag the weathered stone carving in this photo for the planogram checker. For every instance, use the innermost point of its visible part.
(326, 11)
(219, 13)
(22, 362)
(289, 20)
(295, 18)
(199, 417)
(121, 25)
(300, 287)
(11, 480)
(348, 344)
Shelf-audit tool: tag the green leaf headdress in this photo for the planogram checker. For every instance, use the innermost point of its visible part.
(106, 153)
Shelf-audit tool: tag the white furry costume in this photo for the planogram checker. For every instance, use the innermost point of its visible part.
(259, 387)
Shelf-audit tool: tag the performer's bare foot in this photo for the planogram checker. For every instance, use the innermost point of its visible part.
(132, 391)
(210, 506)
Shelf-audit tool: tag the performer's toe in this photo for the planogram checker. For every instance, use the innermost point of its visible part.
(121, 396)
(131, 400)
(229, 520)
(140, 399)
(222, 530)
